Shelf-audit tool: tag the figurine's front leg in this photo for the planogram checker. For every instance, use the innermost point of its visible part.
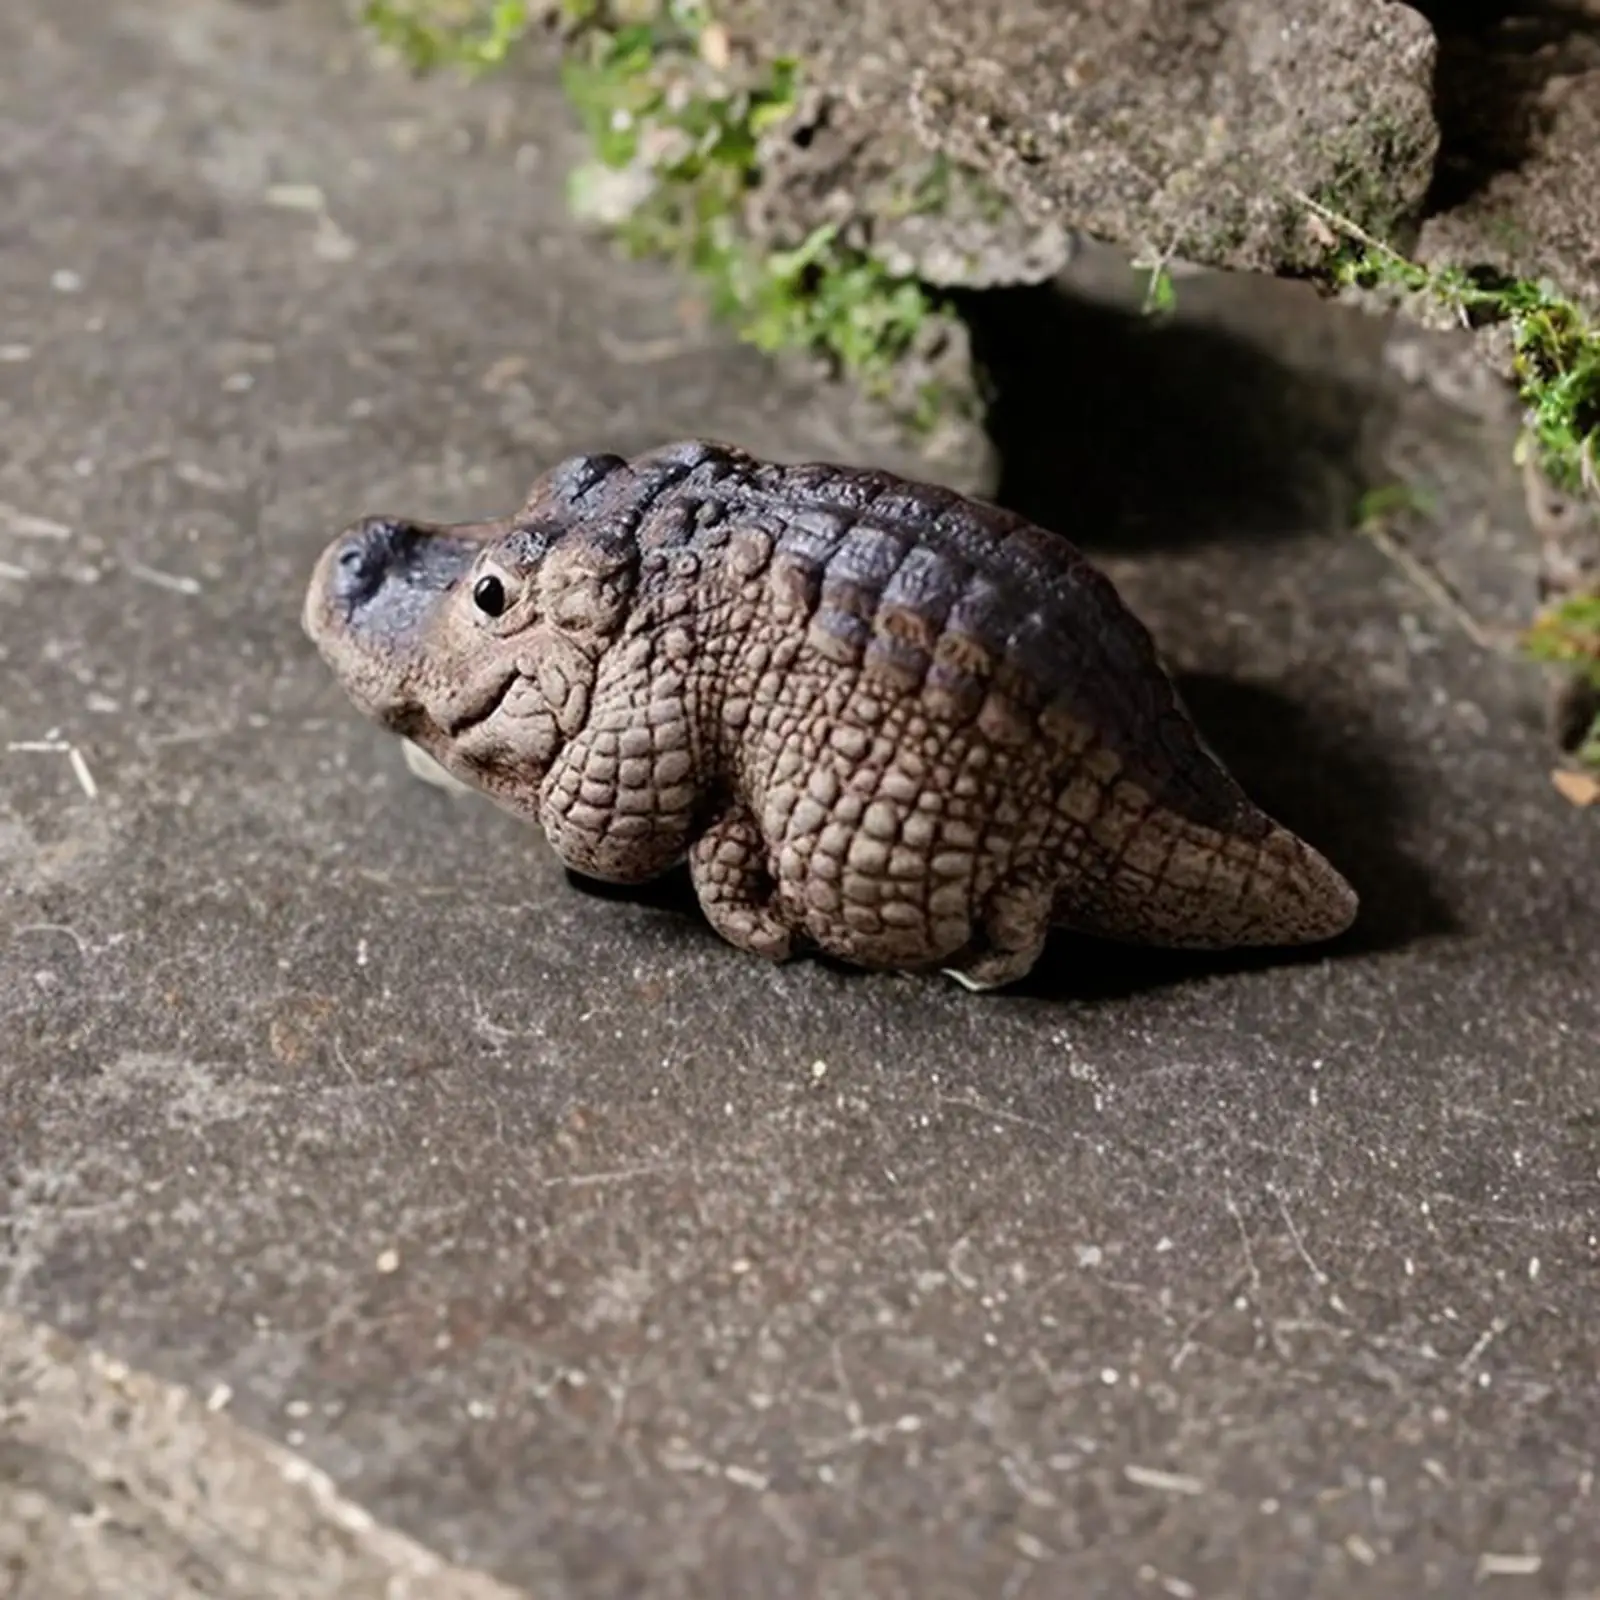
(619, 801)
(728, 864)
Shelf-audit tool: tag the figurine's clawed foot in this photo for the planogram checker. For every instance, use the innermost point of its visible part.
(992, 969)
(421, 765)
(1015, 925)
(728, 867)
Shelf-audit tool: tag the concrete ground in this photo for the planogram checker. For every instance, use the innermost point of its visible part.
(385, 1214)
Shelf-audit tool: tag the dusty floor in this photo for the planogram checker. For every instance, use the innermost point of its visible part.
(567, 1242)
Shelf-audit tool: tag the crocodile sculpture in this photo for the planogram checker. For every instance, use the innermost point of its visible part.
(877, 718)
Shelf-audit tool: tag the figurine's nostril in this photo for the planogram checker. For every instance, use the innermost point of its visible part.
(362, 561)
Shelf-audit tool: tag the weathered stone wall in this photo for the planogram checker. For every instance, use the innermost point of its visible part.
(967, 140)
(1171, 127)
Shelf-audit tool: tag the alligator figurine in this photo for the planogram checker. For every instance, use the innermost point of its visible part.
(879, 719)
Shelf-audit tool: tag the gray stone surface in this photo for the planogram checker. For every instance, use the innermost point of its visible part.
(113, 1483)
(1171, 129)
(567, 1241)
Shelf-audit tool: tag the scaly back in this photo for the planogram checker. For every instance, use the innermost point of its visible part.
(925, 588)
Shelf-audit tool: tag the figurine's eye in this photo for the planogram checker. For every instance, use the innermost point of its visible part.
(489, 595)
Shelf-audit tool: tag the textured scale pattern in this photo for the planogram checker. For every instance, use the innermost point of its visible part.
(876, 717)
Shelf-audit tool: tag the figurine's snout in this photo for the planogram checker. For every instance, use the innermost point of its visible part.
(365, 556)
(379, 580)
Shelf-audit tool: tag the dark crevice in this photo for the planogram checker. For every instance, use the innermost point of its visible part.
(1494, 63)
(1132, 432)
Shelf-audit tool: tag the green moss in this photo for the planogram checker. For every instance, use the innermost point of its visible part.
(1556, 363)
(655, 108)
(1365, 183)
(474, 35)
(1567, 633)
(674, 136)
(1556, 351)
(1556, 345)
(1160, 293)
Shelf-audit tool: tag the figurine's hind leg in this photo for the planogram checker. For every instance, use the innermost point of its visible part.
(1011, 932)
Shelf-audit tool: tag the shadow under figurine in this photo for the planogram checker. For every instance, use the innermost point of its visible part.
(878, 719)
